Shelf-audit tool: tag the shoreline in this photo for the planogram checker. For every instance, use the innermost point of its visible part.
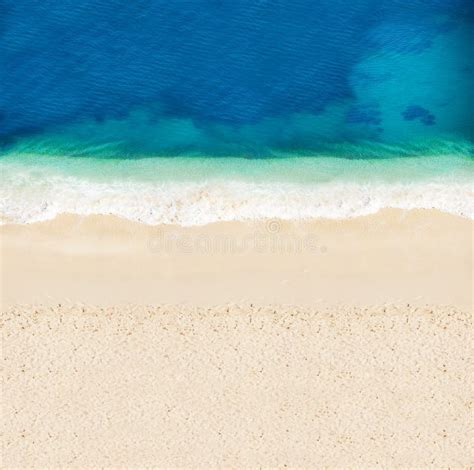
(200, 191)
(395, 256)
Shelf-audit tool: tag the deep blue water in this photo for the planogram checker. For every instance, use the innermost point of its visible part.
(253, 78)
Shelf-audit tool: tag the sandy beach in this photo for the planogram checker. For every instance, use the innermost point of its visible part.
(270, 344)
(395, 256)
(236, 387)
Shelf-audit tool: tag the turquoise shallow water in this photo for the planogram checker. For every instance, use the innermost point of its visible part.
(308, 171)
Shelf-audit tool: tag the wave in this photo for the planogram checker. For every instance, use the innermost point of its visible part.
(33, 193)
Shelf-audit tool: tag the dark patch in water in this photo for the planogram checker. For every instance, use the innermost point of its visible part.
(414, 112)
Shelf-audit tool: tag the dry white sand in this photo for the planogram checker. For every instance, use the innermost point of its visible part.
(237, 387)
(356, 350)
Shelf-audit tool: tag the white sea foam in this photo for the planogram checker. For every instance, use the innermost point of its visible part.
(30, 197)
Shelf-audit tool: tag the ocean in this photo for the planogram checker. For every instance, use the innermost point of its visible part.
(192, 112)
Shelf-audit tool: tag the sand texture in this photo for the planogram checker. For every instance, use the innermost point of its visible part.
(236, 387)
